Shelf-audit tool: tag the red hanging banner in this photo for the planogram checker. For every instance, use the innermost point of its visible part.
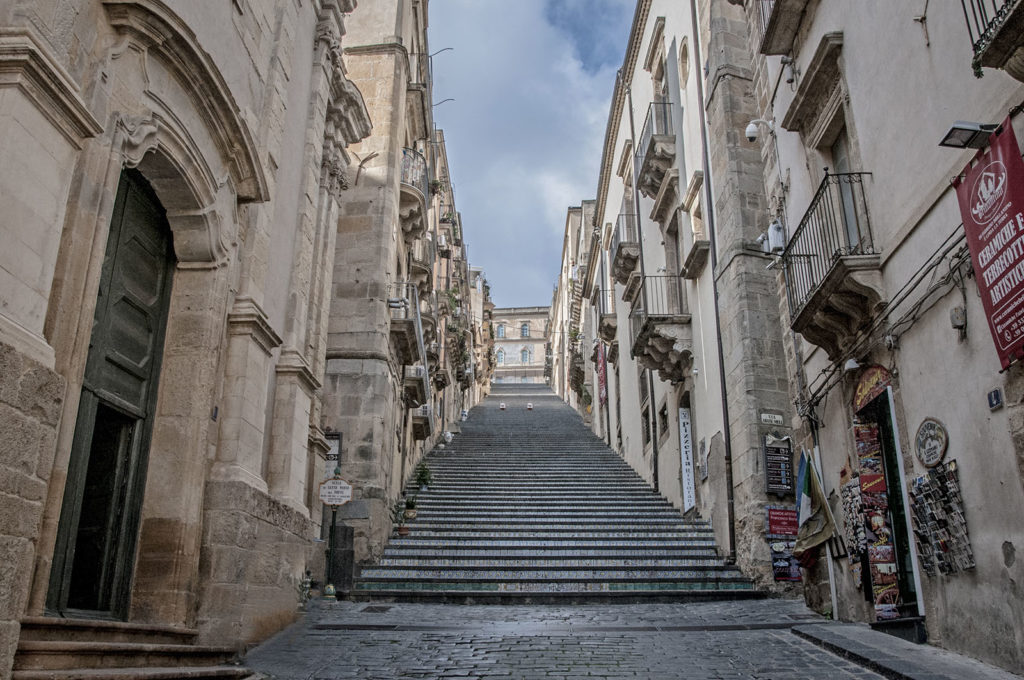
(991, 195)
(602, 375)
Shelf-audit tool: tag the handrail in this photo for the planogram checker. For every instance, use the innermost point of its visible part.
(414, 171)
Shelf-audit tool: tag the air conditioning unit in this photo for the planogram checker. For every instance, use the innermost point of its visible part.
(442, 242)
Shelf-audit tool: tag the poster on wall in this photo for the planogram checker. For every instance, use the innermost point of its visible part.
(990, 191)
(874, 506)
(780, 530)
(686, 462)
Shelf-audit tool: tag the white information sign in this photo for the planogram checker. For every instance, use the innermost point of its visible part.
(772, 419)
(686, 454)
(335, 491)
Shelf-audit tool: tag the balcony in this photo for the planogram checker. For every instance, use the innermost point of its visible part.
(412, 207)
(661, 337)
(421, 264)
(625, 247)
(996, 28)
(442, 378)
(779, 22)
(406, 326)
(608, 322)
(417, 390)
(657, 150)
(832, 268)
(422, 421)
(428, 317)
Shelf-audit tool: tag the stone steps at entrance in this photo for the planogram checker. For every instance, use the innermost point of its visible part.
(530, 506)
(65, 649)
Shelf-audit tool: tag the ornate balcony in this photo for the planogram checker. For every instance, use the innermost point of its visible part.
(442, 378)
(406, 326)
(421, 264)
(422, 421)
(779, 21)
(608, 321)
(428, 318)
(657, 149)
(660, 331)
(996, 28)
(412, 207)
(832, 268)
(417, 390)
(625, 247)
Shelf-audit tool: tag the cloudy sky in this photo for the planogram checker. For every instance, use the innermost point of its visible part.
(532, 82)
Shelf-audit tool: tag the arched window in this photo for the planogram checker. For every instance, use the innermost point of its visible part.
(525, 356)
(524, 330)
(501, 356)
(501, 330)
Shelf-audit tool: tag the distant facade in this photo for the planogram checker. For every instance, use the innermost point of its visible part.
(519, 344)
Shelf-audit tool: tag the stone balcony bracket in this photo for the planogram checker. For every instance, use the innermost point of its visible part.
(607, 327)
(613, 352)
(624, 262)
(782, 26)
(403, 336)
(667, 197)
(665, 344)
(843, 304)
(412, 211)
(632, 286)
(658, 159)
(696, 258)
(1005, 49)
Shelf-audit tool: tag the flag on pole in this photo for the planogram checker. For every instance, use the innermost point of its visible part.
(814, 520)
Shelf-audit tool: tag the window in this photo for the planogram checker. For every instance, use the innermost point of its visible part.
(501, 330)
(501, 356)
(524, 330)
(645, 425)
(524, 356)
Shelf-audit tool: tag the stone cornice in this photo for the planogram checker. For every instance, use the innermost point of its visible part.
(636, 34)
(248, 318)
(292, 363)
(26, 64)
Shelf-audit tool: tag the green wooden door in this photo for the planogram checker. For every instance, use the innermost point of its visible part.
(99, 522)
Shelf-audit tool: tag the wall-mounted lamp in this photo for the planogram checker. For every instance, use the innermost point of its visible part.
(967, 135)
(851, 365)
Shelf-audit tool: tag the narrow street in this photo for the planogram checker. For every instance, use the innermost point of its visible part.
(524, 512)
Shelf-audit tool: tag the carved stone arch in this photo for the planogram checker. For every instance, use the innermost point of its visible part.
(152, 28)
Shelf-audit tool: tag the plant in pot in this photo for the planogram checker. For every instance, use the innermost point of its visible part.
(423, 476)
(398, 517)
(410, 507)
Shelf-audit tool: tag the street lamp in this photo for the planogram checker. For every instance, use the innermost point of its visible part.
(967, 135)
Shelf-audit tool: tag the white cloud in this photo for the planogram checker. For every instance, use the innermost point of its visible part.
(524, 134)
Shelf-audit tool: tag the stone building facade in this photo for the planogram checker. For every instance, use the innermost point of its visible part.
(519, 344)
(674, 331)
(183, 296)
(894, 371)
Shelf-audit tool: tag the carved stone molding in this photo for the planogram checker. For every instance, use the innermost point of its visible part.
(625, 260)
(248, 318)
(665, 345)
(292, 364)
(659, 156)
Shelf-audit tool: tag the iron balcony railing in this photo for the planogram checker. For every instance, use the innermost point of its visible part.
(606, 301)
(625, 231)
(414, 170)
(403, 303)
(661, 298)
(984, 19)
(658, 122)
(835, 225)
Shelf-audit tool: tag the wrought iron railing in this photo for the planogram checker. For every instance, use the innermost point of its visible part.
(835, 225)
(403, 304)
(606, 301)
(661, 298)
(625, 231)
(984, 19)
(658, 122)
(414, 170)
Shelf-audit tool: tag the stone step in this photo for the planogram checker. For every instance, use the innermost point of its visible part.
(535, 533)
(43, 628)
(578, 553)
(167, 673)
(715, 574)
(542, 523)
(66, 655)
(590, 542)
(574, 562)
(580, 516)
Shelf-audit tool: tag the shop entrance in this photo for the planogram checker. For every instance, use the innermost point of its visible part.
(94, 555)
(887, 563)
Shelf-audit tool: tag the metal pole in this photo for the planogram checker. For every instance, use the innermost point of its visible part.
(330, 546)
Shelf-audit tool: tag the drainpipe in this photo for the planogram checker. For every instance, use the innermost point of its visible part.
(643, 287)
(710, 213)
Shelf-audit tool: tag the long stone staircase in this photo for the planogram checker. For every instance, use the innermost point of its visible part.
(530, 506)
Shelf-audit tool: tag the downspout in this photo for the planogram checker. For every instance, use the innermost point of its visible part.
(710, 213)
(653, 415)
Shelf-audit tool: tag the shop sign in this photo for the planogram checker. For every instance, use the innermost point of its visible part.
(782, 521)
(686, 453)
(871, 384)
(991, 195)
(931, 442)
(778, 465)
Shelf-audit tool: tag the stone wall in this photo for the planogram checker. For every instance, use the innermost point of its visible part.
(31, 396)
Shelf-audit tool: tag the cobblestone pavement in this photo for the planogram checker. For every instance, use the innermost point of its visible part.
(695, 641)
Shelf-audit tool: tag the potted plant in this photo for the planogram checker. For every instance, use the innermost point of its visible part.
(423, 476)
(398, 517)
(410, 507)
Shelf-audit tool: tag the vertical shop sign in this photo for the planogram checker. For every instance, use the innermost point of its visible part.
(991, 195)
(877, 525)
(686, 454)
(602, 375)
(778, 465)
